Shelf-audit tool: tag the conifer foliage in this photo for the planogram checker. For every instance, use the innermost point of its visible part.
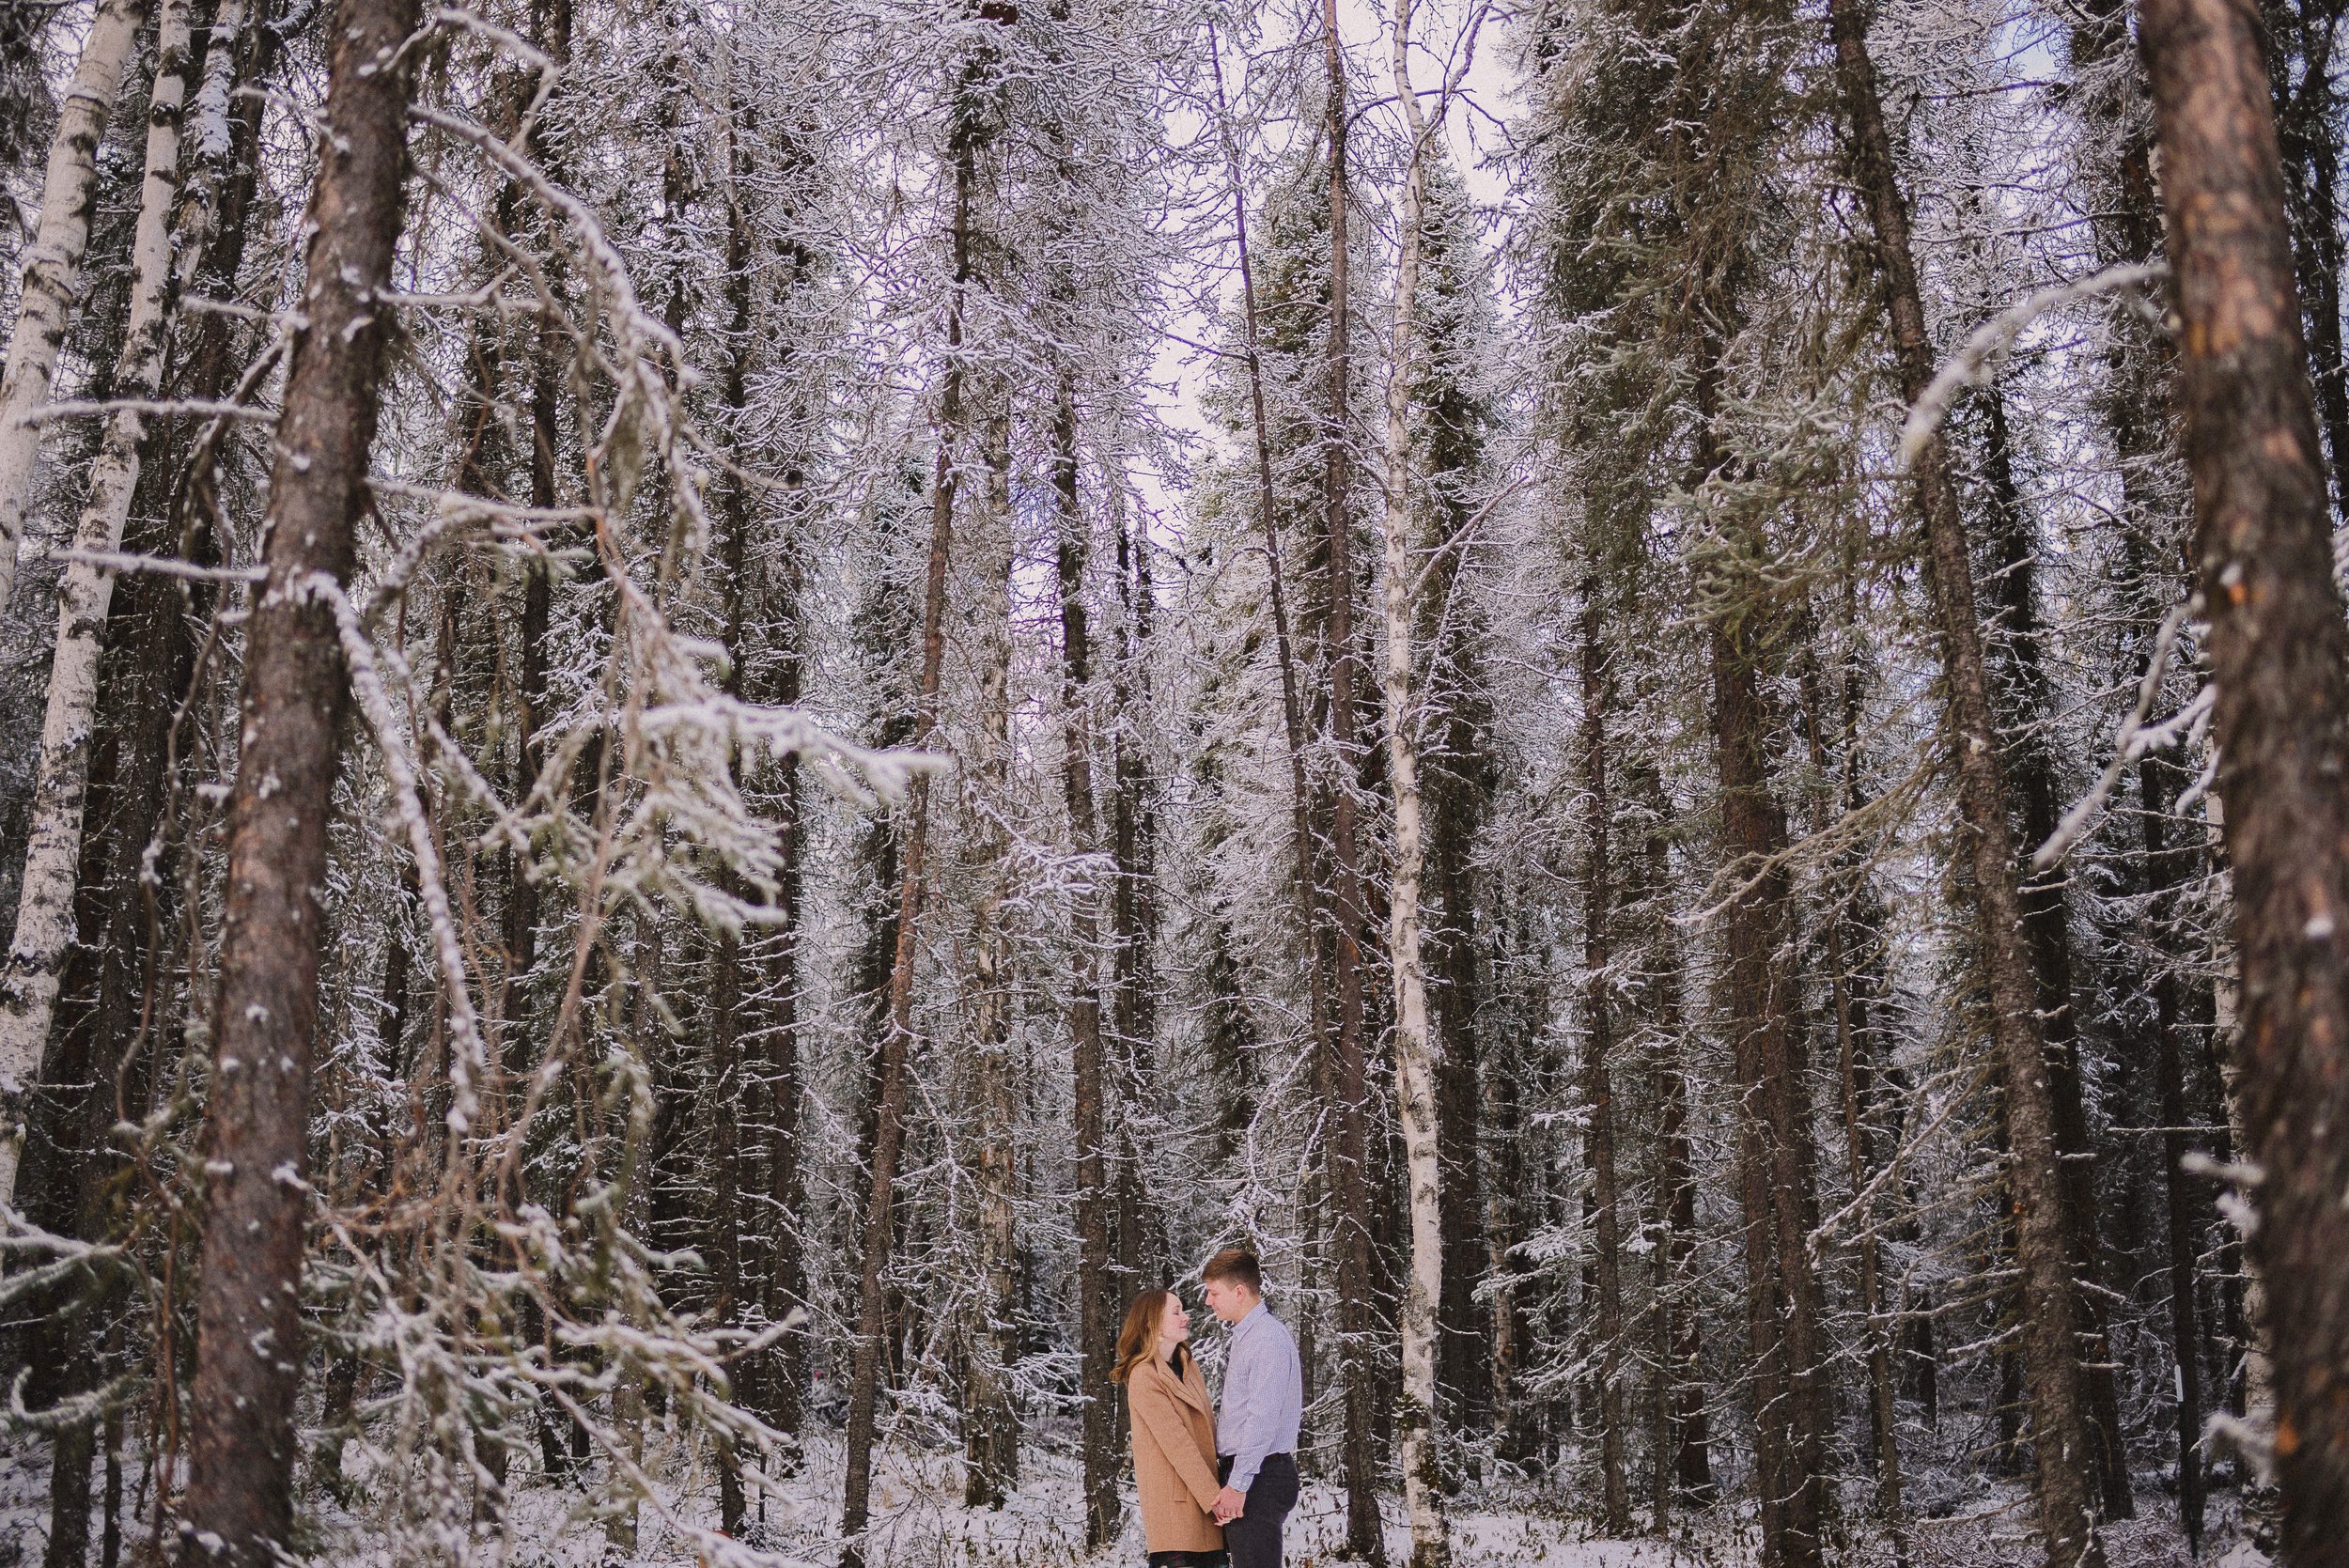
(715, 717)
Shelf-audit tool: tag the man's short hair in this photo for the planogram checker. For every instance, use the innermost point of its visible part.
(1237, 1264)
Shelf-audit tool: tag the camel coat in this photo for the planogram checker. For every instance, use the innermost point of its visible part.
(1174, 1436)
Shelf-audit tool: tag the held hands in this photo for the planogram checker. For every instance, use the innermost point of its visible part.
(1229, 1505)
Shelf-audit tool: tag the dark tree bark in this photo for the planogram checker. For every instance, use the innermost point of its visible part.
(2306, 112)
(1095, 1333)
(734, 1103)
(1454, 813)
(1681, 1440)
(1850, 991)
(1598, 1098)
(1134, 910)
(241, 1444)
(772, 672)
(2278, 646)
(1458, 778)
(783, 1382)
(2061, 1434)
(1774, 1138)
(2134, 405)
(1349, 1148)
(1504, 1196)
(972, 127)
(2046, 925)
(1776, 1155)
(1302, 801)
(551, 31)
(2187, 1199)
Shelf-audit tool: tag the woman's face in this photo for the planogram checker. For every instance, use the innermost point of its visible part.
(1173, 1323)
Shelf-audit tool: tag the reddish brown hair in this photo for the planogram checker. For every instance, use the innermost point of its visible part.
(1138, 1340)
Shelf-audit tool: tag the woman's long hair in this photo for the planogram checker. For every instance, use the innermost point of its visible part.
(1139, 1340)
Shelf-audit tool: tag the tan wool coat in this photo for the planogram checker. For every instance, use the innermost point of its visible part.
(1174, 1435)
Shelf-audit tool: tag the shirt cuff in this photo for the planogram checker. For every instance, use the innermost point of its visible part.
(1244, 1469)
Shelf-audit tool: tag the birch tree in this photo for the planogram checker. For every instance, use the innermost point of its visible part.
(53, 265)
(1414, 1052)
(44, 919)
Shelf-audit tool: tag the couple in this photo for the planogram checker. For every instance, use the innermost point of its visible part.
(1214, 1487)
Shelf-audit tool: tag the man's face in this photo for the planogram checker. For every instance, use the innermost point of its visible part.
(1230, 1301)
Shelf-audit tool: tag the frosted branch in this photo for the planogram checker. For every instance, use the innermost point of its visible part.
(1994, 336)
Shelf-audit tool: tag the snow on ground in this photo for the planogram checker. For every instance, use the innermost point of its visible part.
(920, 1522)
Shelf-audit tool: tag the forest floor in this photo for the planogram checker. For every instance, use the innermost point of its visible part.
(920, 1522)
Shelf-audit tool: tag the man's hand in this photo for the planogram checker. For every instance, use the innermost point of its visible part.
(1229, 1505)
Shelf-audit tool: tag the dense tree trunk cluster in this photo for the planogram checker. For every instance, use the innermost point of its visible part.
(713, 720)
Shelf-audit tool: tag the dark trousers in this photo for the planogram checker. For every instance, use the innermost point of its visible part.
(1254, 1539)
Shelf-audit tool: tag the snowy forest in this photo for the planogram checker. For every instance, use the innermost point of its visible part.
(714, 716)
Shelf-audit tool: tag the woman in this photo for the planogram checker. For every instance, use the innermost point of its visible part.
(1173, 1433)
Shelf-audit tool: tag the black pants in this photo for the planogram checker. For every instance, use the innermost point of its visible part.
(1254, 1539)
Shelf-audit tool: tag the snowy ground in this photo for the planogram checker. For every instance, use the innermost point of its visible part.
(919, 1523)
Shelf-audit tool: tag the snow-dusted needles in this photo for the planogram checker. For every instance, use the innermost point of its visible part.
(1996, 335)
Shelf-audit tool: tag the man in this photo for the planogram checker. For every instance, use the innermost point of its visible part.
(1256, 1426)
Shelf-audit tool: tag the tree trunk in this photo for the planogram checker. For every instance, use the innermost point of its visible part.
(990, 1438)
(2278, 646)
(1775, 1154)
(1849, 1002)
(1683, 1443)
(1773, 1131)
(52, 284)
(733, 1088)
(2305, 118)
(1096, 1310)
(2061, 1437)
(48, 914)
(1348, 1176)
(1503, 1198)
(2134, 405)
(639, 1152)
(890, 1090)
(1465, 1323)
(766, 668)
(1417, 1439)
(241, 1444)
(1598, 1039)
(2186, 1200)
(551, 31)
(44, 917)
(889, 1105)
(2046, 926)
(1308, 892)
(991, 1424)
(784, 1289)
(1461, 769)
(1133, 908)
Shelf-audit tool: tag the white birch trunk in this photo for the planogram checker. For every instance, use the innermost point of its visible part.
(1414, 1057)
(53, 265)
(44, 913)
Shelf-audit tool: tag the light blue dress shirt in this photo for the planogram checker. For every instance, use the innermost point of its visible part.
(1264, 1395)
